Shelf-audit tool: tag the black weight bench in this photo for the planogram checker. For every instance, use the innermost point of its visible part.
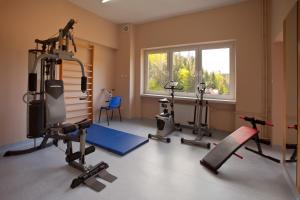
(227, 147)
(215, 158)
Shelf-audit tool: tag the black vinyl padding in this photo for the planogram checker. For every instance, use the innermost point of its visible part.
(84, 124)
(224, 150)
(68, 128)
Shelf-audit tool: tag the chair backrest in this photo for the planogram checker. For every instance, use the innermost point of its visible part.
(115, 102)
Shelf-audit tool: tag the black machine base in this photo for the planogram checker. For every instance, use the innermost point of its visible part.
(293, 157)
(291, 160)
(197, 143)
(26, 151)
(263, 155)
(89, 177)
(198, 140)
(159, 138)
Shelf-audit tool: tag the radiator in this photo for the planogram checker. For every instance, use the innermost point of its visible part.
(185, 113)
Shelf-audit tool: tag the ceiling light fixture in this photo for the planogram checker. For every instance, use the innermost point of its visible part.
(104, 1)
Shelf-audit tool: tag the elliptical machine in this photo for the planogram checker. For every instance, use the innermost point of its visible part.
(200, 126)
(46, 112)
(165, 121)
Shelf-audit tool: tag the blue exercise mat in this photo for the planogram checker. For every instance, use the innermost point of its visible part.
(115, 141)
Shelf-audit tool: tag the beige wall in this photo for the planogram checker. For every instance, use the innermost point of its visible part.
(123, 70)
(23, 21)
(290, 66)
(280, 9)
(278, 93)
(241, 22)
(104, 69)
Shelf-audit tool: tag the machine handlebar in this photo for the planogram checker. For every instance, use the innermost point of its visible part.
(83, 83)
(68, 27)
(64, 32)
(172, 85)
(252, 120)
(201, 86)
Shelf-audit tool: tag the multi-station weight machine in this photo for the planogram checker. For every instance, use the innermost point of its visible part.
(46, 113)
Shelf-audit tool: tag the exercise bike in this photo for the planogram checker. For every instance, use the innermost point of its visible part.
(46, 112)
(200, 126)
(165, 121)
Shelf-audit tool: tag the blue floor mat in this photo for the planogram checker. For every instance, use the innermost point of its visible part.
(115, 141)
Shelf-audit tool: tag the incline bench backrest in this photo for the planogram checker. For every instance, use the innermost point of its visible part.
(227, 147)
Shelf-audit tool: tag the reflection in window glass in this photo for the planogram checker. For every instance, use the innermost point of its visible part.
(158, 74)
(216, 70)
(184, 69)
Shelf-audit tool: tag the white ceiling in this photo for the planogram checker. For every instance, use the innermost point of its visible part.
(140, 11)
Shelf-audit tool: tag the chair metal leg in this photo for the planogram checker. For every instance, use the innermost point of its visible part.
(112, 114)
(120, 114)
(100, 115)
(107, 117)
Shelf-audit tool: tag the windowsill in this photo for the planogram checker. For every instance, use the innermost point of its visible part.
(188, 99)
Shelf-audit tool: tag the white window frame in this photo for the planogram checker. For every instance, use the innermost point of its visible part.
(198, 68)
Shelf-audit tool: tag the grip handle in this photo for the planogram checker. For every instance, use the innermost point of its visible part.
(256, 121)
(83, 83)
(69, 26)
(32, 82)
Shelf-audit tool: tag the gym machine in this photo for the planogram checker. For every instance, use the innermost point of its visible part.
(165, 121)
(46, 112)
(215, 158)
(200, 126)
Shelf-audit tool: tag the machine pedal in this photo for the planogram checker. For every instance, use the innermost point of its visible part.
(94, 184)
(105, 175)
(89, 177)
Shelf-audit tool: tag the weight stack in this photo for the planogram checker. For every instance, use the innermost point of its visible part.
(36, 116)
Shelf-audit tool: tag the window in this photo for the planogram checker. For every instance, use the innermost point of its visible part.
(184, 70)
(217, 72)
(158, 73)
(213, 64)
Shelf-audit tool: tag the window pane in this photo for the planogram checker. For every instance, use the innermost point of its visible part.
(158, 74)
(184, 69)
(216, 70)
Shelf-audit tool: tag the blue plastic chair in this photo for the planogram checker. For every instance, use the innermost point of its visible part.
(114, 103)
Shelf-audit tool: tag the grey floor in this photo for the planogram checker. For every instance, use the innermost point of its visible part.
(291, 168)
(154, 171)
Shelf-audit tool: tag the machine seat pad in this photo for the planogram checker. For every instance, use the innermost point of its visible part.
(68, 128)
(84, 124)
